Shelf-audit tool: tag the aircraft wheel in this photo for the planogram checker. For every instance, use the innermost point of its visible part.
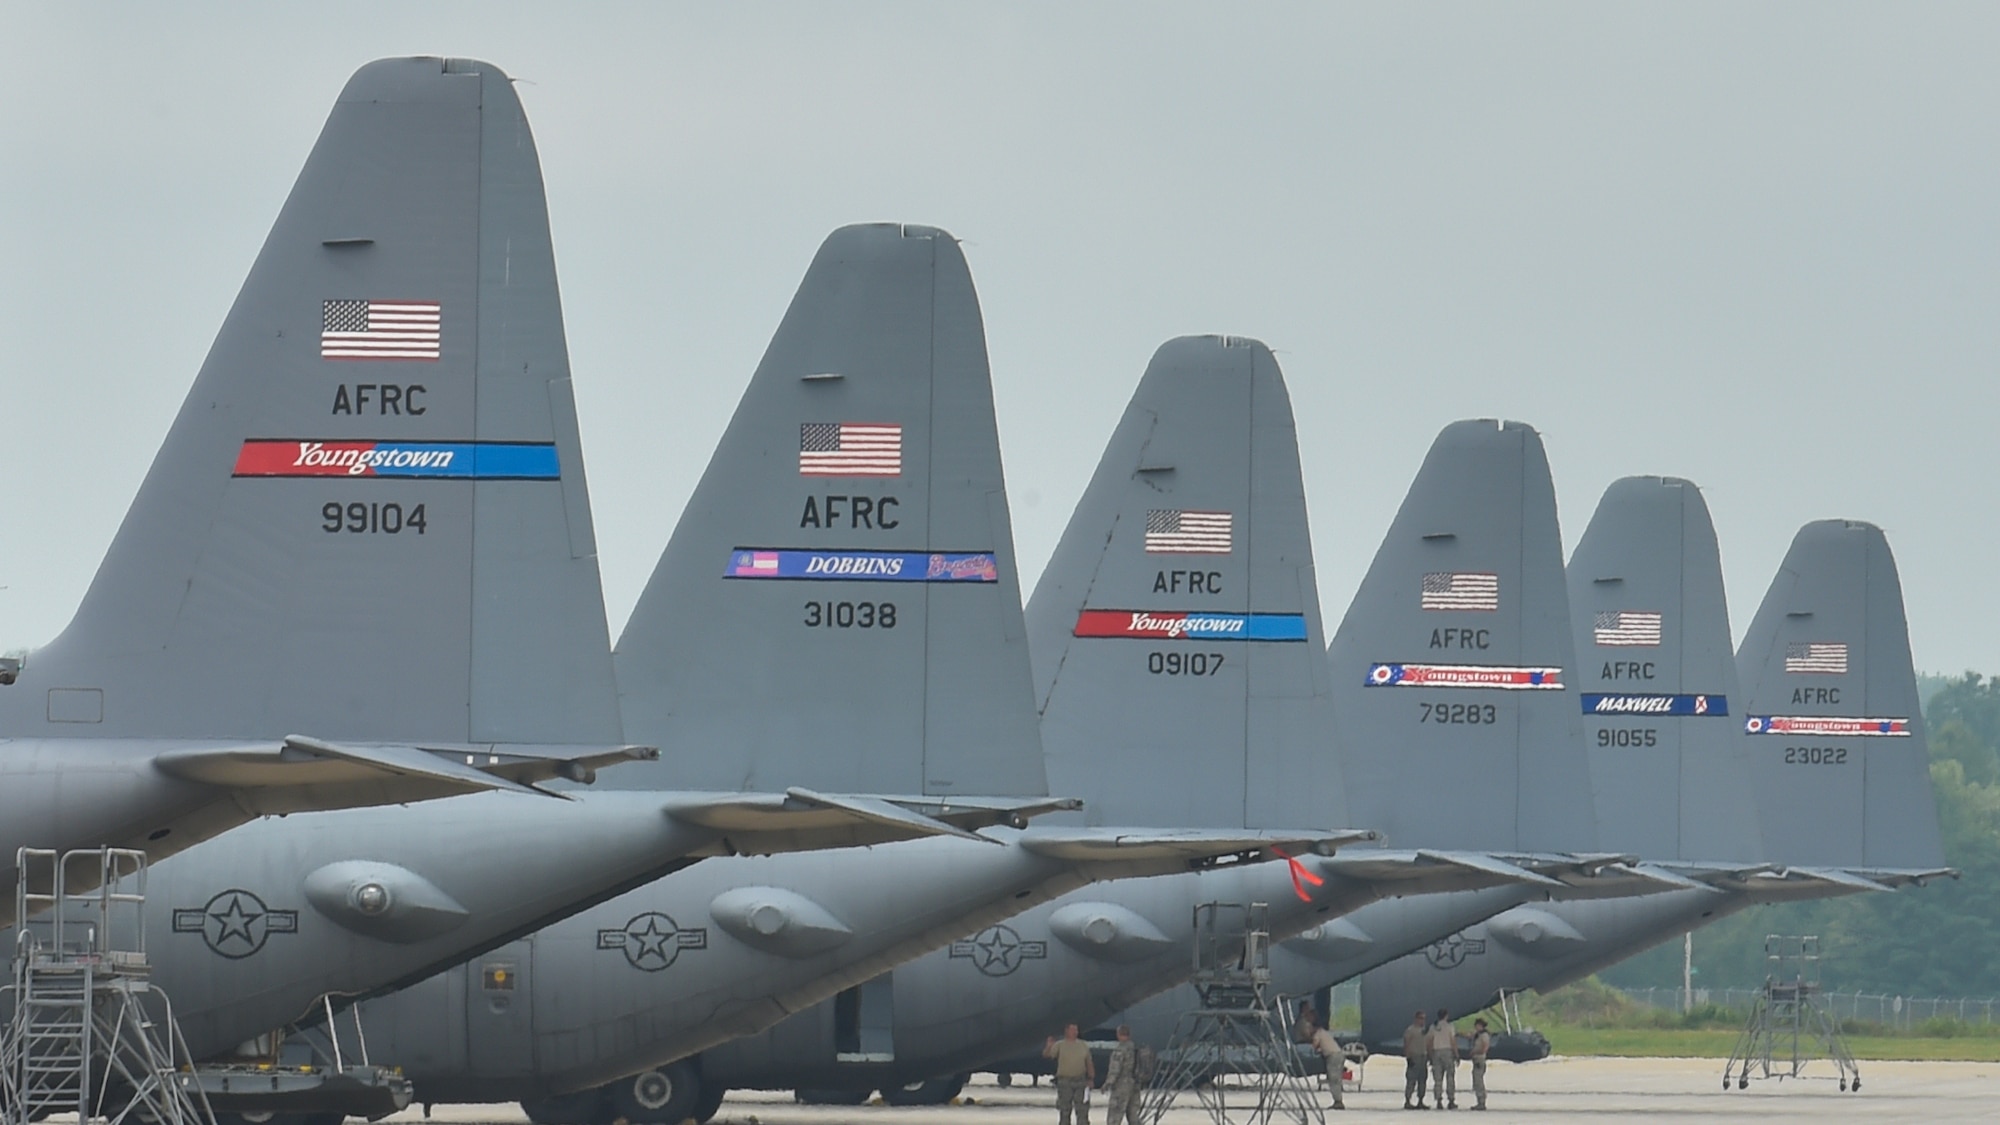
(1005, 1078)
(662, 1096)
(709, 1102)
(811, 1096)
(930, 1091)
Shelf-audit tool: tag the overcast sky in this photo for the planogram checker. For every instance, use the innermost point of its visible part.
(1754, 245)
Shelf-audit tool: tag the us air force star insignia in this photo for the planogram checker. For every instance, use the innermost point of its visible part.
(235, 923)
(1451, 952)
(998, 950)
(651, 940)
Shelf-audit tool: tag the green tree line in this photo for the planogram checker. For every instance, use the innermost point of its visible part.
(1938, 940)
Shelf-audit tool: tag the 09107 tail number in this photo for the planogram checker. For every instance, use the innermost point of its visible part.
(1184, 663)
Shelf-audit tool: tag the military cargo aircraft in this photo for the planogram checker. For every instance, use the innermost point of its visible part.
(1826, 738)
(312, 552)
(1177, 656)
(870, 572)
(1454, 655)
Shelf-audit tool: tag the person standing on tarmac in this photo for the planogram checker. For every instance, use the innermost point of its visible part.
(1416, 1053)
(1075, 1071)
(1308, 1022)
(1121, 1080)
(1444, 1062)
(1335, 1055)
(1482, 1043)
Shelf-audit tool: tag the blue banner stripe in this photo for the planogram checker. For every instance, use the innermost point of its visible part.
(1615, 703)
(863, 566)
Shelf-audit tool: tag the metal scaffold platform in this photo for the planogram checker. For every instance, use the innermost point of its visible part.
(1790, 1025)
(88, 1033)
(1234, 1052)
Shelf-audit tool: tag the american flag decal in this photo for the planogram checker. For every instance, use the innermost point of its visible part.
(1172, 531)
(1825, 658)
(354, 329)
(1461, 590)
(850, 449)
(1620, 627)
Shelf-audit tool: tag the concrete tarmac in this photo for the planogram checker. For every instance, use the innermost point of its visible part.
(1568, 1089)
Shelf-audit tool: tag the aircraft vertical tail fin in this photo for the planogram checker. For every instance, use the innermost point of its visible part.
(1656, 678)
(838, 607)
(1838, 750)
(1176, 630)
(1452, 708)
(369, 521)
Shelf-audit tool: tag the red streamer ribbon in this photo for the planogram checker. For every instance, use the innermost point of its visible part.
(1301, 875)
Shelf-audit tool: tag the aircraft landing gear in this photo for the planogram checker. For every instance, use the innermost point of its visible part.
(664, 1096)
(930, 1091)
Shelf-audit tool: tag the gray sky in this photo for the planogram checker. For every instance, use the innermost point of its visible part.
(1754, 245)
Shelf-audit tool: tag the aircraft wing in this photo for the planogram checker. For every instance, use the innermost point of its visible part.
(303, 773)
(1184, 849)
(805, 819)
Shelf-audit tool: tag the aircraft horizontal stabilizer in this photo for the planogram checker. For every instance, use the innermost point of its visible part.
(1876, 878)
(300, 762)
(1669, 880)
(1577, 875)
(1418, 869)
(1722, 875)
(1194, 847)
(1604, 874)
(885, 812)
(804, 819)
(531, 764)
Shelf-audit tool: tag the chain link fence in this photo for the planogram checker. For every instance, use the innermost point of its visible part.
(1867, 1007)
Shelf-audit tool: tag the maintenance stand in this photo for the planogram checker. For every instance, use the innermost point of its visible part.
(1235, 1046)
(1790, 1025)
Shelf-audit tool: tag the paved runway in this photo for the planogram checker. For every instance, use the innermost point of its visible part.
(1579, 1089)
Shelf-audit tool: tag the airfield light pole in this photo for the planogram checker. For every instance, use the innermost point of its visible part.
(1687, 972)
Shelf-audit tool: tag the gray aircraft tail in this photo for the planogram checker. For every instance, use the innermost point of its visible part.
(1451, 670)
(838, 607)
(1838, 750)
(1656, 678)
(1180, 610)
(369, 521)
